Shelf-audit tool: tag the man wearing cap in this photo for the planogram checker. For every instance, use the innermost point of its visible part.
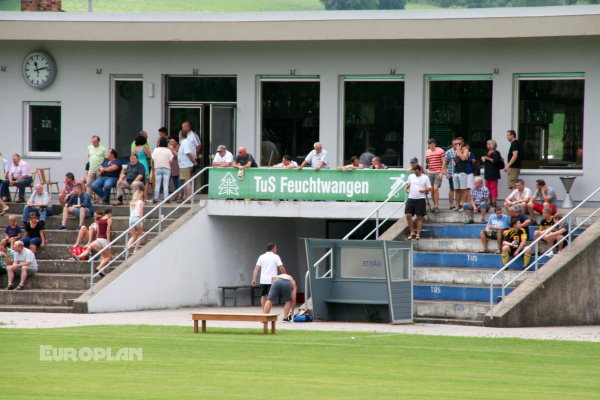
(418, 186)
(317, 158)
(223, 158)
(413, 163)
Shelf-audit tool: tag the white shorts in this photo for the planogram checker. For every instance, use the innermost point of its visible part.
(459, 180)
(470, 180)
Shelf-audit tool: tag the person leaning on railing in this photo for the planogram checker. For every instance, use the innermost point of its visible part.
(354, 164)
(286, 162)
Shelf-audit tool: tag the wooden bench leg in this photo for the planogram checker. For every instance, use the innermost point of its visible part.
(273, 327)
(265, 328)
(195, 326)
(203, 325)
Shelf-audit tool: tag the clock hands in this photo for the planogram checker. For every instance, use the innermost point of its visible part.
(37, 69)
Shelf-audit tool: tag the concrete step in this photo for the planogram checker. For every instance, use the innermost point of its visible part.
(462, 276)
(61, 252)
(118, 211)
(39, 297)
(450, 311)
(473, 260)
(119, 223)
(446, 217)
(462, 245)
(58, 281)
(34, 308)
(69, 266)
(70, 236)
(455, 292)
(437, 231)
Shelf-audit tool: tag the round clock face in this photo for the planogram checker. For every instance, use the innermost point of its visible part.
(39, 69)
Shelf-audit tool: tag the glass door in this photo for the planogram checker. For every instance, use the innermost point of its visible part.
(222, 130)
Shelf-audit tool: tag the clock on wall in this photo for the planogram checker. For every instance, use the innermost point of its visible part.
(39, 69)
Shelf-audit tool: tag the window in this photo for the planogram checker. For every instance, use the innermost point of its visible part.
(461, 105)
(199, 89)
(550, 115)
(374, 118)
(289, 118)
(43, 127)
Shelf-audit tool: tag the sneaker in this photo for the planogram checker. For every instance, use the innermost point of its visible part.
(62, 228)
(105, 202)
(20, 201)
(288, 319)
(482, 221)
(20, 287)
(452, 208)
(436, 210)
(470, 221)
(9, 287)
(76, 258)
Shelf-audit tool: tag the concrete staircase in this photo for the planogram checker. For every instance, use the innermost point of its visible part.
(451, 280)
(60, 279)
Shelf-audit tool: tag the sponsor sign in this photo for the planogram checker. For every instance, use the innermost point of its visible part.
(307, 184)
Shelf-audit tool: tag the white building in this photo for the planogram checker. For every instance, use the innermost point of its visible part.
(352, 80)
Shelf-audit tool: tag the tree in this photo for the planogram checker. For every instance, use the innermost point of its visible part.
(350, 4)
(392, 4)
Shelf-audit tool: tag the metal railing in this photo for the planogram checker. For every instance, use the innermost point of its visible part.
(393, 193)
(157, 212)
(534, 247)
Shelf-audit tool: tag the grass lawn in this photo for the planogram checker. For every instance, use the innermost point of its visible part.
(161, 6)
(245, 364)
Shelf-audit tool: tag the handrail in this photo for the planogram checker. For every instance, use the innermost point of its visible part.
(400, 184)
(566, 218)
(161, 217)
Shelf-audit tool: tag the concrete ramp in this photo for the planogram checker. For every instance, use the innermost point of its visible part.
(566, 290)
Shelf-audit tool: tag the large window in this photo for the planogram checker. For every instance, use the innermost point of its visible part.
(43, 125)
(374, 118)
(550, 115)
(289, 118)
(461, 106)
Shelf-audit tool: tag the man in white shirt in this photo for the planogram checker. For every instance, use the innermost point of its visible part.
(186, 158)
(24, 264)
(418, 186)
(286, 162)
(317, 158)
(223, 158)
(268, 264)
(518, 197)
(40, 202)
(192, 137)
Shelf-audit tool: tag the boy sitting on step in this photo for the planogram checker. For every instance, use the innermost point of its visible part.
(514, 242)
(13, 232)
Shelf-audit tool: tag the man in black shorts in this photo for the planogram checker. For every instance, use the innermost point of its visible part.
(268, 264)
(285, 286)
(418, 186)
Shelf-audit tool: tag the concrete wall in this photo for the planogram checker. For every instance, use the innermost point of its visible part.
(567, 291)
(205, 252)
(85, 95)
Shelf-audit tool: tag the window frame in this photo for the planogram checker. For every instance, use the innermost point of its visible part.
(448, 78)
(258, 102)
(165, 88)
(342, 79)
(27, 152)
(557, 76)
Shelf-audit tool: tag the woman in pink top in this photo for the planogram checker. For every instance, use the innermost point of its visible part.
(161, 159)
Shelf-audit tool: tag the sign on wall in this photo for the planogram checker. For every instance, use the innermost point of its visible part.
(307, 184)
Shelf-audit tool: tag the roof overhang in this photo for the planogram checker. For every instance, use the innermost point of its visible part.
(304, 26)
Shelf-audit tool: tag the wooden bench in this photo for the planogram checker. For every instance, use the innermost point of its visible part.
(264, 318)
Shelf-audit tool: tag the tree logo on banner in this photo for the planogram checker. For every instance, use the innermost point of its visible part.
(228, 186)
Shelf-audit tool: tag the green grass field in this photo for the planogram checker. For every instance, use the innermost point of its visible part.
(245, 364)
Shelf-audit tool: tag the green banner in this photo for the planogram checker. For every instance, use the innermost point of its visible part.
(307, 184)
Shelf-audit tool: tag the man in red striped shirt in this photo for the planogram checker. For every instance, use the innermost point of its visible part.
(436, 165)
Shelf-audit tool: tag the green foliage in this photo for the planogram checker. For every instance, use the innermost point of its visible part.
(166, 6)
(350, 4)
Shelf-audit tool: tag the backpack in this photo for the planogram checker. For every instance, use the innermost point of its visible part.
(303, 316)
(499, 163)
